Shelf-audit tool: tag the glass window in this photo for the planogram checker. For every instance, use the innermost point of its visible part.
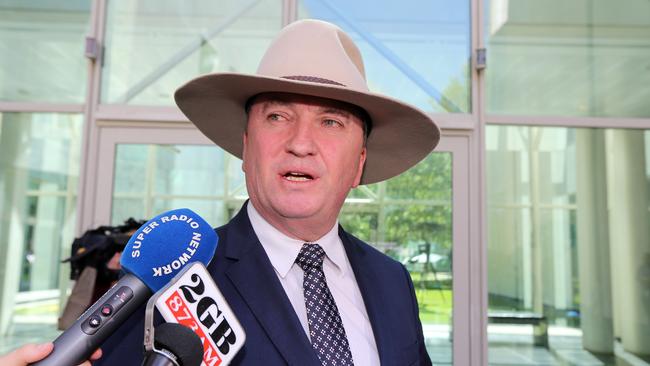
(568, 243)
(39, 169)
(42, 48)
(416, 51)
(409, 218)
(150, 179)
(153, 46)
(568, 58)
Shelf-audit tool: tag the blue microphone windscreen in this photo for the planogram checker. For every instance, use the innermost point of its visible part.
(165, 244)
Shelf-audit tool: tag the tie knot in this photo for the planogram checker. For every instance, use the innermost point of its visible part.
(310, 256)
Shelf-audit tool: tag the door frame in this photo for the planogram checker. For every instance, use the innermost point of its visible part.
(468, 328)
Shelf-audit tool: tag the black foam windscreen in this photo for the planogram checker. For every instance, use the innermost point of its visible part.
(181, 341)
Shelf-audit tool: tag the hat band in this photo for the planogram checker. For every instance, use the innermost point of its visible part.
(312, 79)
(365, 117)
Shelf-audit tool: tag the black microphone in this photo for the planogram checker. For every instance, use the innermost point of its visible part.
(174, 345)
(152, 257)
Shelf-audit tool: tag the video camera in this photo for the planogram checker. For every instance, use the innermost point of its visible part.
(97, 246)
(90, 255)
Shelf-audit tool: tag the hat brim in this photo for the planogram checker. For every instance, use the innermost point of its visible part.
(401, 135)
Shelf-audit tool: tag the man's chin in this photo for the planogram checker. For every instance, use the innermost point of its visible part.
(299, 213)
(301, 209)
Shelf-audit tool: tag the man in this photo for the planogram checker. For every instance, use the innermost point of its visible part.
(308, 130)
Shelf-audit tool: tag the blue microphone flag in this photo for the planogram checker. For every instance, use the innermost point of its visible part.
(165, 244)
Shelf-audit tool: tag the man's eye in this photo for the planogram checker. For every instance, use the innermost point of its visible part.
(274, 117)
(332, 123)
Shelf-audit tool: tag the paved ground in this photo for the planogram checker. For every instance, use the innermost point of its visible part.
(513, 345)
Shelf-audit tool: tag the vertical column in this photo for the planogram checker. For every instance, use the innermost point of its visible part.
(12, 202)
(593, 242)
(46, 240)
(508, 239)
(534, 139)
(629, 235)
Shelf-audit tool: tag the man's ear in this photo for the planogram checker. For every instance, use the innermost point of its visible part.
(362, 163)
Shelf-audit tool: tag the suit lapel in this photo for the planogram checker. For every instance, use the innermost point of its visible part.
(373, 297)
(254, 278)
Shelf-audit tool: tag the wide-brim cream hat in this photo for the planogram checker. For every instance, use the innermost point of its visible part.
(316, 58)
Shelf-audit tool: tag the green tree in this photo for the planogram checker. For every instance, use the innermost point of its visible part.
(413, 208)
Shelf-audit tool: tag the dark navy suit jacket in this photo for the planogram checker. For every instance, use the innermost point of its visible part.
(274, 335)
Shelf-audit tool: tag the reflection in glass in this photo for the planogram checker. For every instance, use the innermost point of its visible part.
(567, 239)
(415, 51)
(42, 48)
(150, 179)
(130, 159)
(213, 211)
(39, 168)
(124, 207)
(575, 58)
(153, 46)
(200, 163)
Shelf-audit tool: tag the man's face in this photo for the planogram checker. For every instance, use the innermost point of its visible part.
(302, 155)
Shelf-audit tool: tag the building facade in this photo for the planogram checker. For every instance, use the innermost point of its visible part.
(536, 203)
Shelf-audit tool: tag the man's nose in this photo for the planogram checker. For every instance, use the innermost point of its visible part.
(301, 139)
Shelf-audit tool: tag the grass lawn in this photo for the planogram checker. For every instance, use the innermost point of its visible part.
(435, 303)
(40, 308)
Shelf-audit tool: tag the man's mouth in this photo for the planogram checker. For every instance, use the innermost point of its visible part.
(297, 177)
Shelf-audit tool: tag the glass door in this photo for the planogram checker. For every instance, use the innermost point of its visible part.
(420, 218)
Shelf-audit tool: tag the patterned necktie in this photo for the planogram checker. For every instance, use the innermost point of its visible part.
(325, 325)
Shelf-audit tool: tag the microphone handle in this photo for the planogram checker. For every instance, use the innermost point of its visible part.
(96, 324)
(155, 358)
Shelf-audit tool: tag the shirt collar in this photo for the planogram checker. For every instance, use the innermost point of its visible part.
(283, 250)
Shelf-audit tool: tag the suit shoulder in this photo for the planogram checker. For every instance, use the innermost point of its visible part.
(221, 230)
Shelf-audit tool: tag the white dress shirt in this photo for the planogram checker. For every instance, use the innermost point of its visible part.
(283, 251)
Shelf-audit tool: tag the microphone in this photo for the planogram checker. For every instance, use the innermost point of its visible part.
(192, 299)
(175, 345)
(151, 258)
